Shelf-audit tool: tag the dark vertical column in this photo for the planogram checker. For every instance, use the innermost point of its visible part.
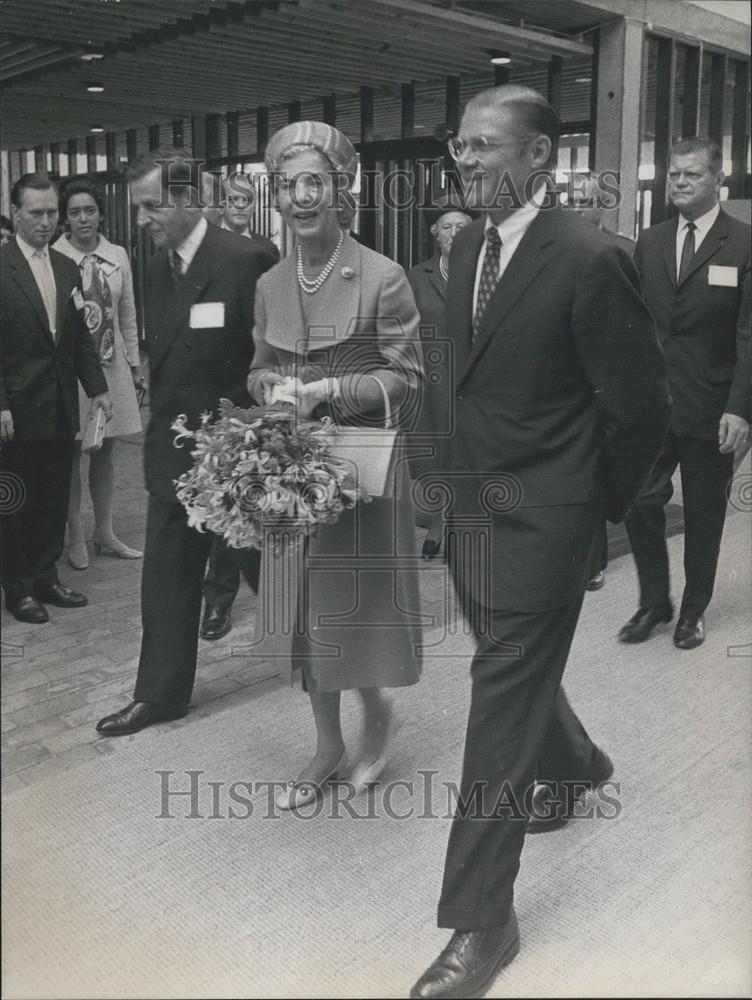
(739, 130)
(110, 149)
(717, 91)
(453, 104)
(554, 83)
(154, 137)
(329, 109)
(294, 112)
(501, 75)
(40, 160)
(198, 137)
(131, 144)
(55, 152)
(72, 150)
(91, 154)
(594, 95)
(213, 146)
(690, 124)
(366, 114)
(664, 125)
(407, 105)
(367, 220)
(177, 133)
(233, 134)
(262, 128)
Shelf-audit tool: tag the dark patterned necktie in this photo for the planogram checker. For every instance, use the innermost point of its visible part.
(489, 276)
(176, 264)
(99, 311)
(688, 252)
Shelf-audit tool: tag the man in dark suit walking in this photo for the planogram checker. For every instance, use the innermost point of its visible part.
(560, 409)
(199, 321)
(45, 349)
(223, 571)
(695, 273)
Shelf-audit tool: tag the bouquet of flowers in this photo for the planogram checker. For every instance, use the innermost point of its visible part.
(259, 472)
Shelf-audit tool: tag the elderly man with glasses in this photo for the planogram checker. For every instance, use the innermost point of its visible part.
(560, 408)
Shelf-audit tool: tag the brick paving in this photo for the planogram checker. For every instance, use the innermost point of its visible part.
(59, 678)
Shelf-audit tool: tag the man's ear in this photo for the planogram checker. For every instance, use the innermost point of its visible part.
(540, 151)
(434, 229)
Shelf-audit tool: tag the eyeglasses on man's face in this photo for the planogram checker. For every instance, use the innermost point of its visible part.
(479, 146)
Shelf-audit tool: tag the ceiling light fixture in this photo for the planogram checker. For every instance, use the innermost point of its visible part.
(501, 59)
(96, 129)
(95, 88)
(88, 56)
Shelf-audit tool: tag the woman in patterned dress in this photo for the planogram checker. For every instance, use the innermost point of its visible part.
(111, 318)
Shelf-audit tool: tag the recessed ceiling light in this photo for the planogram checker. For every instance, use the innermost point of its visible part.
(583, 79)
(501, 60)
(97, 128)
(95, 88)
(88, 56)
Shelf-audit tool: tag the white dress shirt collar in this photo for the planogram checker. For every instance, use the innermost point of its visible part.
(513, 228)
(703, 224)
(28, 250)
(228, 229)
(188, 248)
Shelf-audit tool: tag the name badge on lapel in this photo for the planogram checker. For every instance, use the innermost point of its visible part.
(207, 315)
(719, 274)
(78, 299)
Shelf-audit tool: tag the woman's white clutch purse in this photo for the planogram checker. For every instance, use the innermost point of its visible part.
(368, 453)
(93, 434)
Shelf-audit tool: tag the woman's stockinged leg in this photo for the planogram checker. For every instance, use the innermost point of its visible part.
(101, 487)
(378, 711)
(330, 745)
(78, 555)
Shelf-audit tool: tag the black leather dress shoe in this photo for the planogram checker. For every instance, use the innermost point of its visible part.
(469, 963)
(689, 633)
(217, 622)
(552, 807)
(60, 596)
(136, 716)
(597, 582)
(640, 625)
(26, 609)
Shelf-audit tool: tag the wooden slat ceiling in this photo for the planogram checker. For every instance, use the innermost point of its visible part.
(169, 59)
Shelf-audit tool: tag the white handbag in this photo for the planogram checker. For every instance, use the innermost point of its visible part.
(368, 453)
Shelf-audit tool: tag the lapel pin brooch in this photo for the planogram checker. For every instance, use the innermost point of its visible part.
(347, 272)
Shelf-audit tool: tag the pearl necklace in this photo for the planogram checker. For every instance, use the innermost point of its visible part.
(312, 285)
(444, 269)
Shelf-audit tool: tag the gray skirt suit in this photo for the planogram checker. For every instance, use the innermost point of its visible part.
(360, 623)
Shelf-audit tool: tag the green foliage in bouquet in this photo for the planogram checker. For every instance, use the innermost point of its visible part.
(259, 472)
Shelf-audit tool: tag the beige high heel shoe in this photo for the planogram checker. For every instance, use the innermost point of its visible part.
(116, 548)
(302, 793)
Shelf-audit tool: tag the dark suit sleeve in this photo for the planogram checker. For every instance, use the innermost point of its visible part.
(616, 340)
(739, 402)
(4, 402)
(88, 368)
